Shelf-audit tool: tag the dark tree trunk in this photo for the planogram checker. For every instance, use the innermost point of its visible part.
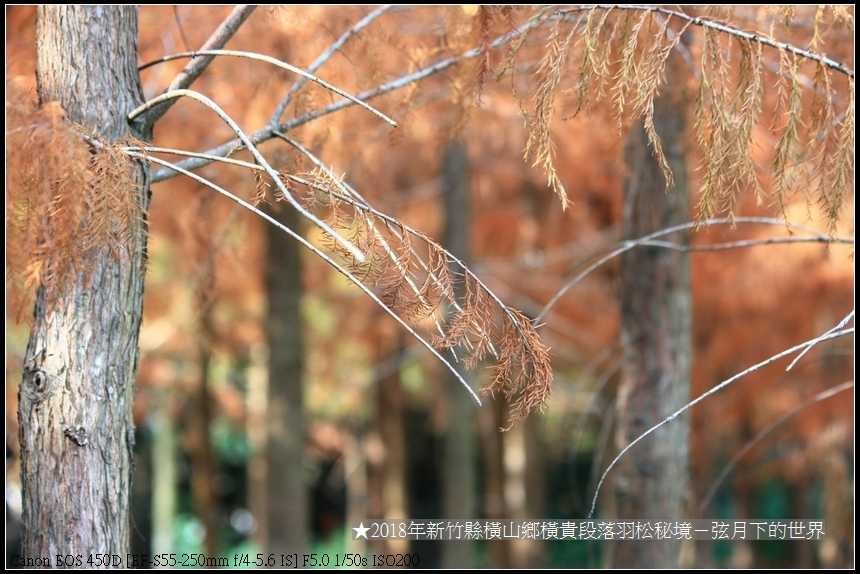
(652, 480)
(391, 403)
(76, 396)
(459, 468)
(288, 519)
(493, 418)
(204, 465)
(536, 472)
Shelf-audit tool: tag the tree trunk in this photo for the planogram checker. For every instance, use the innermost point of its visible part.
(204, 465)
(76, 396)
(459, 468)
(288, 519)
(165, 477)
(536, 473)
(391, 403)
(652, 479)
(493, 416)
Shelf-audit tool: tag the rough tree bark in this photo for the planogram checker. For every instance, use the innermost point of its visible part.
(76, 396)
(656, 327)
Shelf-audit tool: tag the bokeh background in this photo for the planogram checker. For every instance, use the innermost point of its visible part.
(375, 406)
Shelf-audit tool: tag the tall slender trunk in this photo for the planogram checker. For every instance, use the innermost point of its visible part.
(493, 416)
(164, 476)
(391, 401)
(459, 466)
(652, 480)
(288, 519)
(76, 396)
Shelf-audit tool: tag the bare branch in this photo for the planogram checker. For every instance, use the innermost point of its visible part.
(198, 65)
(746, 243)
(268, 132)
(257, 156)
(702, 397)
(275, 62)
(730, 466)
(628, 245)
(181, 28)
(841, 324)
(324, 57)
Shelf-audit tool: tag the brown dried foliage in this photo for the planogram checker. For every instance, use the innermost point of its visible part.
(489, 19)
(592, 52)
(419, 280)
(68, 201)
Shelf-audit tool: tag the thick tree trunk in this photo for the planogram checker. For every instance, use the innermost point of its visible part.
(652, 480)
(288, 512)
(76, 396)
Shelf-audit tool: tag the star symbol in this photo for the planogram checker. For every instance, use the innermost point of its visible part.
(361, 531)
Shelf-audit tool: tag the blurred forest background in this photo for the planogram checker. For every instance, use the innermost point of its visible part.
(243, 331)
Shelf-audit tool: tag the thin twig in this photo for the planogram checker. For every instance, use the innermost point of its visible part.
(702, 397)
(746, 243)
(321, 255)
(274, 62)
(346, 244)
(730, 466)
(186, 153)
(324, 57)
(197, 66)
(268, 132)
(841, 324)
(628, 245)
(181, 28)
(606, 415)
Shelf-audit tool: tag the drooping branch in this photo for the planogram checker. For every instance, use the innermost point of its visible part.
(705, 23)
(275, 62)
(416, 288)
(730, 466)
(391, 264)
(350, 192)
(702, 397)
(625, 246)
(257, 156)
(521, 371)
(340, 268)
